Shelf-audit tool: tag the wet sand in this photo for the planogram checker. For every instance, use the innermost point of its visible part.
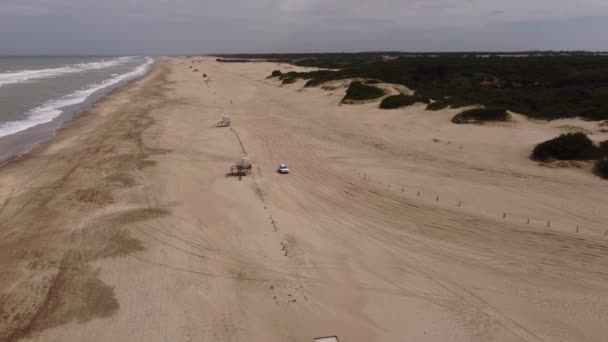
(393, 225)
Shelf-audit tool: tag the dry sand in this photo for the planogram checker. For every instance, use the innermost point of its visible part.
(126, 228)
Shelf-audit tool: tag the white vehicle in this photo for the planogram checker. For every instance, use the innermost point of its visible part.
(283, 169)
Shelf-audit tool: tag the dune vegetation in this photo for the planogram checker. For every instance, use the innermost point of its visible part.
(540, 86)
(570, 146)
(357, 91)
(438, 105)
(601, 168)
(479, 115)
(285, 78)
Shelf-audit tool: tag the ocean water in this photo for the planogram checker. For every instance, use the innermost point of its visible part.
(35, 90)
(41, 91)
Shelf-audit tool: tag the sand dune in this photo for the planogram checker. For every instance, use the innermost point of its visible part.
(393, 225)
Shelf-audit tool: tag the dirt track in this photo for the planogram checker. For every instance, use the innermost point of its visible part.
(128, 228)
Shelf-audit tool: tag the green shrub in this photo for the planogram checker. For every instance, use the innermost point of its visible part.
(359, 92)
(397, 101)
(438, 105)
(481, 115)
(313, 82)
(596, 115)
(423, 99)
(571, 146)
(542, 86)
(276, 73)
(291, 74)
(289, 80)
(601, 168)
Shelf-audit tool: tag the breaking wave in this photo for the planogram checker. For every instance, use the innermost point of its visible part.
(30, 75)
(52, 109)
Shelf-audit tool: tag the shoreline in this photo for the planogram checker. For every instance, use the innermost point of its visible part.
(14, 146)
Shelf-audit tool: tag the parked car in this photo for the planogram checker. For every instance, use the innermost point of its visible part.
(283, 169)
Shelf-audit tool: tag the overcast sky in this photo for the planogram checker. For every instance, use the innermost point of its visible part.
(228, 26)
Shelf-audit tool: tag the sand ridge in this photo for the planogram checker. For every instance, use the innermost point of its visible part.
(393, 225)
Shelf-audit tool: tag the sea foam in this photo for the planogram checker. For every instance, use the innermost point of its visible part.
(30, 75)
(52, 109)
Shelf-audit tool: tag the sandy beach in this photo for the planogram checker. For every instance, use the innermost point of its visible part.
(392, 226)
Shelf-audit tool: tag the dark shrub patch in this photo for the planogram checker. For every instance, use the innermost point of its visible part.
(276, 73)
(398, 101)
(571, 146)
(423, 99)
(604, 145)
(313, 82)
(289, 80)
(601, 168)
(438, 105)
(596, 115)
(291, 74)
(481, 115)
(359, 91)
(544, 85)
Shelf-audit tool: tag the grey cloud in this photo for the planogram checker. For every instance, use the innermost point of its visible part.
(188, 26)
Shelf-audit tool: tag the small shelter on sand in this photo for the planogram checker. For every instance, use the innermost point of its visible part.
(225, 122)
(242, 167)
